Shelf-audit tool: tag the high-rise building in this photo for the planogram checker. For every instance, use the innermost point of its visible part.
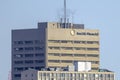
(54, 45)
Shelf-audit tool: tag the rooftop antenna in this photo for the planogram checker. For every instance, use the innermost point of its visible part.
(65, 13)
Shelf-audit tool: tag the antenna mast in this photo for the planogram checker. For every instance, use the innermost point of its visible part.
(65, 13)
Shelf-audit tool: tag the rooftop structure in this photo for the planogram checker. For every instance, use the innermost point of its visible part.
(66, 75)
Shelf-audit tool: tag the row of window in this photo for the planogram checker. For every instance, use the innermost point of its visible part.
(28, 42)
(74, 48)
(75, 42)
(75, 76)
(79, 55)
(29, 62)
(28, 48)
(69, 61)
(27, 68)
(28, 55)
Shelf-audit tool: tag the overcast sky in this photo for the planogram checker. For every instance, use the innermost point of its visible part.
(95, 14)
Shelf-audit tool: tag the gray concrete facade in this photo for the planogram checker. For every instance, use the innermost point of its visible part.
(28, 50)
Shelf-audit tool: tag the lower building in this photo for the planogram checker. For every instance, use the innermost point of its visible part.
(66, 75)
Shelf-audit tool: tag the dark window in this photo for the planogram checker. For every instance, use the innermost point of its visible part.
(26, 68)
(18, 69)
(28, 55)
(18, 49)
(93, 49)
(18, 62)
(39, 61)
(63, 41)
(54, 41)
(38, 48)
(66, 54)
(66, 61)
(18, 42)
(80, 48)
(53, 54)
(17, 75)
(67, 48)
(92, 42)
(28, 48)
(39, 54)
(56, 61)
(28, 42)
(93, 55)
(29, 61)
(79, 55)
(57, 48)
(37, 68)
(18, 55)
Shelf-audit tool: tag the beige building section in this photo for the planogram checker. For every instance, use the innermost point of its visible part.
(66, 45)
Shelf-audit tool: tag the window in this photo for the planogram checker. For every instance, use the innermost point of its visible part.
(28, 61)
(92, 42)
(39, 61)
(18, 49)
(63, 41)
(66, 61)
(92, 55)
(28, 42)
(26, 68)
(54, 41)
(17, 75)
(29, 48)
(18, 42)
(28, 55)
(39, 54)
(66, 54)
(79, 55)
(67, 48)
(80, 48)
(18, 69)
(95, 62)
(18, 55)
(37, 68)
(53, 54)
(18, 62)
(38, 48)
(54, 61)
(79, 42)
(93, 49)
(56, 48)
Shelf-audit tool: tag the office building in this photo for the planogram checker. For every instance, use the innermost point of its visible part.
(54, 45)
